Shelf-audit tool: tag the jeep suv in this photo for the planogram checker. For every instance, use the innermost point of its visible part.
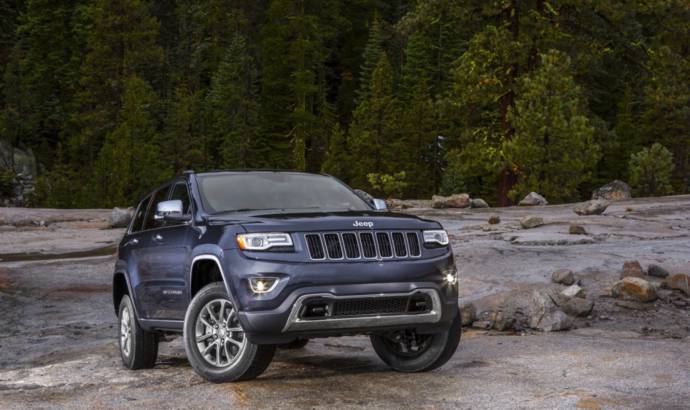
(241, 262)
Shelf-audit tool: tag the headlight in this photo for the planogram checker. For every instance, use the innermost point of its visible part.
(263, 241)
(437, 236)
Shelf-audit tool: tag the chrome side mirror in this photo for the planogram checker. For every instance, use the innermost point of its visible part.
(169, 211)
(380, 205)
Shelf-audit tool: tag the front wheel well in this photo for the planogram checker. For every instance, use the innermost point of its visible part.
(119, 289)
(204, 271)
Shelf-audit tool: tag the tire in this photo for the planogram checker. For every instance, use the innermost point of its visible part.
(216, 345)
(138, 348)
(295, 344)
(433, 351)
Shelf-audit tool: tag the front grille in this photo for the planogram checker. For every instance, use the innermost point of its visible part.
(328, 308)
(363, 245)
(370, 306)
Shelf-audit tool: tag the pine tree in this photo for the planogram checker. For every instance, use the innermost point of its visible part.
(295, 108)
(185, 142)
(666, 115)
(371, 133)
(121, 41)
(48, 65)
(129, 163)
(371, 56)
(415, 146)
(552, 150)
(232, 108)
(650, 171)
(337, 159)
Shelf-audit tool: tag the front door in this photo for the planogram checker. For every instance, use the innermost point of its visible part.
(163, 270)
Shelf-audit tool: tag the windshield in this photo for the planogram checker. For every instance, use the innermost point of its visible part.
(245, 191)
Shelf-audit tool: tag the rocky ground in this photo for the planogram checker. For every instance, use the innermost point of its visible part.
(58, 346)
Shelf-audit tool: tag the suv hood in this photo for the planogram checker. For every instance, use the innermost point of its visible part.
(325, 221)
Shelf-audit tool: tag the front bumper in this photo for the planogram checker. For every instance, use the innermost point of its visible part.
(274, 317)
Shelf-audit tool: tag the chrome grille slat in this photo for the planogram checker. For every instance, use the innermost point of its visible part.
(366, 245)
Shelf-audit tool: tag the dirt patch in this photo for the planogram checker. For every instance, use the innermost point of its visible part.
(40, 256)
(5, 282)
(84, 289)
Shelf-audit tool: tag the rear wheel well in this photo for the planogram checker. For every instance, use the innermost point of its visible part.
(204, 271)
(119, 290)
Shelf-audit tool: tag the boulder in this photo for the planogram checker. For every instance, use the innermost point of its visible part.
(120, 217)
(679, 282)
(593, 207)
(632, 269)
(468, 314)
(396, 204)
(494, 220)
(18, 169)
(438, 201)
(613, 191)
(478, 203)
(531, 221)
(533, 199)
(657, 271)
(577, 230)
(453, 201)
(573, 291)
(458, 201)
(578, 307)
(633, 288)
(544, 314)
(563, 276)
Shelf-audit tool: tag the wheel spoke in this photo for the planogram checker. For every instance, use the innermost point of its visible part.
(231, 313)
(227, 354)
(210, 313)
(235, 342)
(201, 338)
(209, 347)
(220, 313)
(205, 322)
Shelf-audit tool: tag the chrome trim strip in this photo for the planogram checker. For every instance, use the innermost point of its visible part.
(306, 242)
(373, 241)
(419, 245)
(294, 323)
(325, 246)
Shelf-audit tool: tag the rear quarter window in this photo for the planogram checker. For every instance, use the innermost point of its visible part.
(139, 215)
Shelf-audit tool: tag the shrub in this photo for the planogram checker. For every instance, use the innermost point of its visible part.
(650, 171)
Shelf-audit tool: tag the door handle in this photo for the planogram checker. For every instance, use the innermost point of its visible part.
(157, 237)
(134, 241)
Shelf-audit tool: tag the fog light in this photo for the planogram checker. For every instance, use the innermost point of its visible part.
(262, 285)
(451, 278)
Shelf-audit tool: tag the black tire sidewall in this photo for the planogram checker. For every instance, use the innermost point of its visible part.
(204, 369)
(441, 349)
(137, 342)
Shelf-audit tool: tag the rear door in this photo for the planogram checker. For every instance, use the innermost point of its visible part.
(133, 247)
(167, 259)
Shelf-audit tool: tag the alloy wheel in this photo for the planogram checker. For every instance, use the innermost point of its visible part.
(219, 336)
(126, 332)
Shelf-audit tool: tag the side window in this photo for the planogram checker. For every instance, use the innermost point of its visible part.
(139, 216)
(180, 192)
(160, 196)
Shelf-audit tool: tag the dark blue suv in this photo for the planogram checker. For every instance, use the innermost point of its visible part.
(243, 261)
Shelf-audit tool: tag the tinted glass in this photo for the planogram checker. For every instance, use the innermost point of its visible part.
(180, 192)
(160, 196)
(237, 191)
(139, 217)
